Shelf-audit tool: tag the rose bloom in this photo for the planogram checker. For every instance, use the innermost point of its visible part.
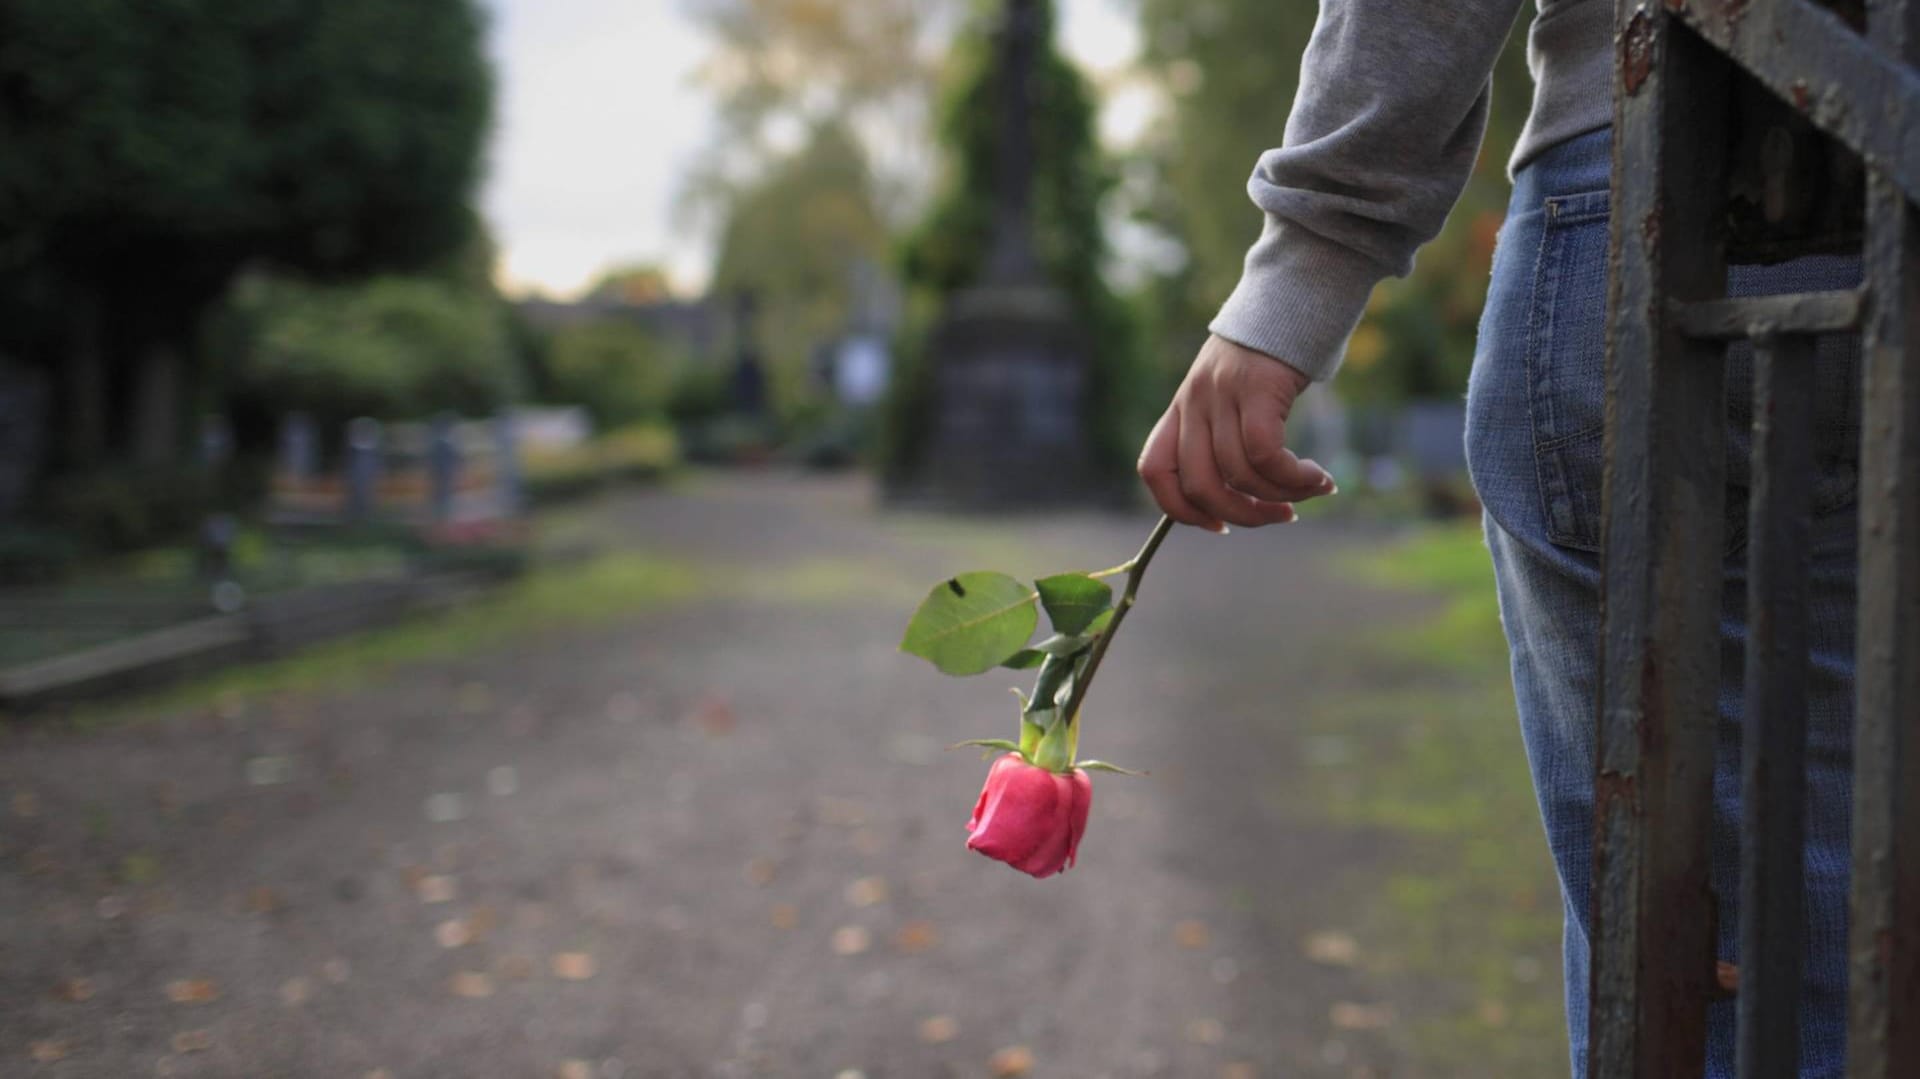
(1029, 817)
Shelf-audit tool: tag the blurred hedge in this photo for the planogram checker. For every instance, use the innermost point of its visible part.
(643, 451)
(392, 348)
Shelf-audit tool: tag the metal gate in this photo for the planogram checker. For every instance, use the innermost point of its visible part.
(1710, 97)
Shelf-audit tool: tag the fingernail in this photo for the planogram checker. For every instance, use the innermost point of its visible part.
(1333, 488)
(1222, 529)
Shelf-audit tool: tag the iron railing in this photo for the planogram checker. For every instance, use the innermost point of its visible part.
(1711, 96)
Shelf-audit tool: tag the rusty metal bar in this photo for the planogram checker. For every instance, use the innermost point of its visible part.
(1812, 59)
(1883, 1035)
(1805, 312)
(1774, 744)
(1653, 934)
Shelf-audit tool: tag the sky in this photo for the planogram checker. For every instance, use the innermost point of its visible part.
(598, 118)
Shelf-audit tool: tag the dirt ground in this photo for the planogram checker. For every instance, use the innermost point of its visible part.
(718, 834)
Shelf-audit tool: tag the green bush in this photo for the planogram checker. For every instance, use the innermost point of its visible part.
(121, 509)
(619, 372)
(638, 452)
(392, 348)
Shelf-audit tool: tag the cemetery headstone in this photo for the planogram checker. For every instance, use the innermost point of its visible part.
(1009, 363)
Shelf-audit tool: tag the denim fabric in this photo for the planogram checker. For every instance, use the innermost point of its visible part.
(1534, 418)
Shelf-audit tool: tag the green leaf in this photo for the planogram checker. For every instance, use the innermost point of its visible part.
(1100, 623)
(1074, 600)
(972, 623)
(1026, 659)
(1054, 674)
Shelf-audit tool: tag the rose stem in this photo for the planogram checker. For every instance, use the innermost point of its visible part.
(1136, 569)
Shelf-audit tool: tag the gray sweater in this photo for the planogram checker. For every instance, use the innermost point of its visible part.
(1384, 131)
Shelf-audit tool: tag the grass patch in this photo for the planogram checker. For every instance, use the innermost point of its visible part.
(1465, 938)
(600, 590)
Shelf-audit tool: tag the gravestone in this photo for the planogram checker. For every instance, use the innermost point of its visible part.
(1009, 363)
(23, 431)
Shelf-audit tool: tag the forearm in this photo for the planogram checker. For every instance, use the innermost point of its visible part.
(1383, 134)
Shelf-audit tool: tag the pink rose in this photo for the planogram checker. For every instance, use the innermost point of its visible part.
(1029, 817)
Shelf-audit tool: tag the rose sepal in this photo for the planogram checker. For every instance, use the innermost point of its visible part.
(991, 743)
(1104, 766)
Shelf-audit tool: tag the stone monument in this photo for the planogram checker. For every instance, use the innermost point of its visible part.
(1009, 362)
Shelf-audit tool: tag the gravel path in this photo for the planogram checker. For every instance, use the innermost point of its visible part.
(715, 837)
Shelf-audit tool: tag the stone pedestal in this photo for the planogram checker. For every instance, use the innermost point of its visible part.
(1008, 416)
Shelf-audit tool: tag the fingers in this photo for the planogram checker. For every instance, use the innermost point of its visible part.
(1262, 437)
(1230, 458)
(1200, 479)
(1160, 469)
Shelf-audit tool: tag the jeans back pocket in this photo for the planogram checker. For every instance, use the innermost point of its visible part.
(1567, 366)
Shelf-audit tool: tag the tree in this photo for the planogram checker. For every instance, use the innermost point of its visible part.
(154, 150)
(792, 241)
(393, 348)
(1072, 179)
(621, 373)
(865, 66)
(1227, 102)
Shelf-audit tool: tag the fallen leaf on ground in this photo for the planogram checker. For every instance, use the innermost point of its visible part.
(1332, 948)
(575, 1069)
(336, 970)
(26, 804)
(916, 937)
(515, 967)
(713, 714)
(867, 891)
(74, 990)
(1349, 1016)
(1206, 1032)
(1192, 934)
(1239, 1069)
(1493, 1013)
(452, 933)
(760, 871)
(785, 916)
(192, 991)
(46, 1052)
(296, 991)
(263, 900)
(851, 940)
(192, 1041)
(938, 1029)
(434, 888)
(471, 984)
(573, 966)
(1011, 1062)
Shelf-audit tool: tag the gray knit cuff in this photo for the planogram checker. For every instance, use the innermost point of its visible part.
(1298, 299)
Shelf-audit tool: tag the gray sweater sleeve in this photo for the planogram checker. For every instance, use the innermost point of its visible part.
(1384, 131)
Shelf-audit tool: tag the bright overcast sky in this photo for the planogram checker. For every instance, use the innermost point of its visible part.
(598, 118)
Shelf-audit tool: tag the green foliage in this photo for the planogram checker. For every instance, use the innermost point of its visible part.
(393, 348)
(120, 509)
(153, 150)
(794, 239)
(335, 136)
(1072, 180)
(972, 623)
(1229, 103)
(1073, 601)
(621, 373)
(641, 452)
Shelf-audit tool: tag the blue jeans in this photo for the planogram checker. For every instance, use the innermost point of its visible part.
(1535, 408)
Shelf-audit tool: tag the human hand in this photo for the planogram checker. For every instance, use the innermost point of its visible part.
(1218, 456)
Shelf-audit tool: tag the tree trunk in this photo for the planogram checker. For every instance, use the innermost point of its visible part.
(156, 406)
(86, 389)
